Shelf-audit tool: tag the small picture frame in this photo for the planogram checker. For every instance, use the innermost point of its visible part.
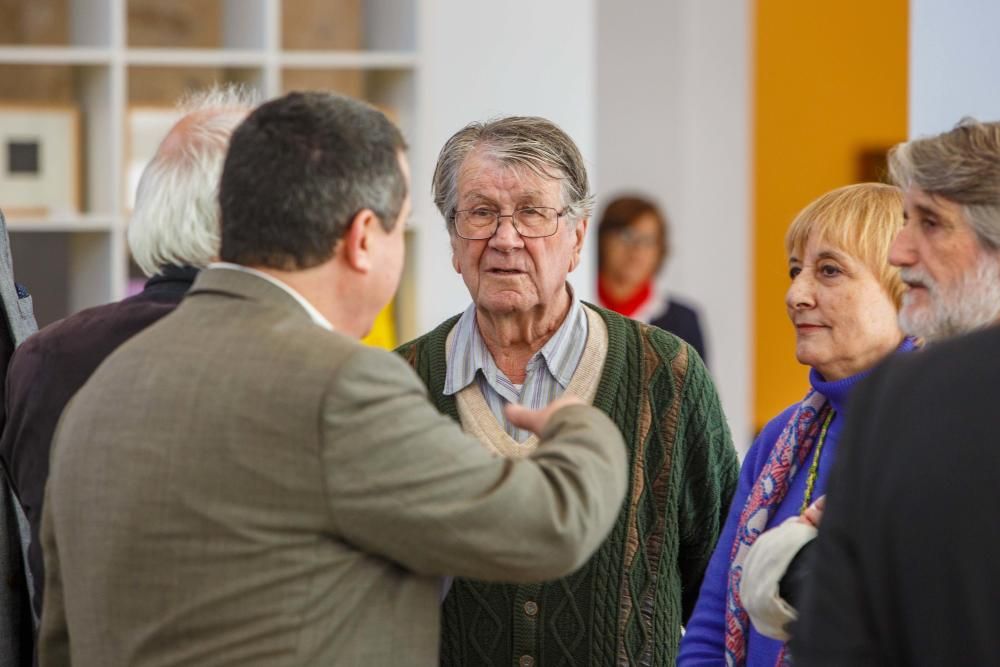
(39, 160)
(146, 128)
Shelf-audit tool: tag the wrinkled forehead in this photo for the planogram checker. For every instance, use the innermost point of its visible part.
(486, 174)
(917, 200)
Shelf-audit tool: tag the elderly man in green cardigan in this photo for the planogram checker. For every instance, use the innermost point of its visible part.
(515, 196)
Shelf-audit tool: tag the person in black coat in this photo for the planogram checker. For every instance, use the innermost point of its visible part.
(633, 239)
(904, 570)
(17, 622)
(174, 231)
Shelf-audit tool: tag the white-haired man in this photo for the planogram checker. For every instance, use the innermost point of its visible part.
(174, 232)
(903, 572)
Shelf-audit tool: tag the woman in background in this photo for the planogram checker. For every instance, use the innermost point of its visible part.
(633, 244)
(843, 301)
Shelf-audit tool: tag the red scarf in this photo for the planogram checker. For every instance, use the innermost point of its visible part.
(627, 306)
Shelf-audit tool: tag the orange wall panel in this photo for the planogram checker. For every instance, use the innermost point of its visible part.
(831, 82)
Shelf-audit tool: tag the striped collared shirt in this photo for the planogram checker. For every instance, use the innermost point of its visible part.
(549, 370)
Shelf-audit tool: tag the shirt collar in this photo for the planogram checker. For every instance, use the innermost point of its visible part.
(561, 357)
(469, 354)
(314, 314)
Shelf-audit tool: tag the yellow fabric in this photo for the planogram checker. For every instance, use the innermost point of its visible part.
(383, 333)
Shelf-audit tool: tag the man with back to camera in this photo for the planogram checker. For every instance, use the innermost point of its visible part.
(245, 483)
(903, 570)
(172, 234)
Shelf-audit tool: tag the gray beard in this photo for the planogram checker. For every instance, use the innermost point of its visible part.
(971, 303)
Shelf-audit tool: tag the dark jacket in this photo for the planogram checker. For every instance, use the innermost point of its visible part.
(49, 368)
(682, 321)
(16, 623)
(905, 562)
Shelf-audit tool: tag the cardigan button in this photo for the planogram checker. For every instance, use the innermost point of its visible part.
(526, 661)
(530, 608)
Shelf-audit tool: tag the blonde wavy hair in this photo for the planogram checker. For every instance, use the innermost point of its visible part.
(861, 220)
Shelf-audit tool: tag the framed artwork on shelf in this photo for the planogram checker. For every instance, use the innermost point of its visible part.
(39, 160)
(146, 127)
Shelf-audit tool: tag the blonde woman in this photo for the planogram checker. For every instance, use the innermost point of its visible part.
(843, 301)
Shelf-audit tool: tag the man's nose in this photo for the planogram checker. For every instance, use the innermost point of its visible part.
(506, 237)
(902, 251)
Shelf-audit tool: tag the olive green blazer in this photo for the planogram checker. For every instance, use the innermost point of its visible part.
(237, 485)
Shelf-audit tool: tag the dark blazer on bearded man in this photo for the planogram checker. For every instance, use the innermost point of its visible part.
(17, 625)
(905, 565)
(49, 368)
(237, 485)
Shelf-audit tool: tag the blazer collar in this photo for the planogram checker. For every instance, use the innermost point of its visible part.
(240, 285)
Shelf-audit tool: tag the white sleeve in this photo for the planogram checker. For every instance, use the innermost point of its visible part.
(765, 565)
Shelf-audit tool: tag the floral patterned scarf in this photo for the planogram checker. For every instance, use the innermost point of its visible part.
(788, 455)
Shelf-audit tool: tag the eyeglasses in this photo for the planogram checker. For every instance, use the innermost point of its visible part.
(531, 222)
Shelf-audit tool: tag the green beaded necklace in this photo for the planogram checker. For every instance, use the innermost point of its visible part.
(814, 466)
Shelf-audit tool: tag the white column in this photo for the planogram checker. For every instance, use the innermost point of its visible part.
(954, 53)
(674, 121)
(478, 60)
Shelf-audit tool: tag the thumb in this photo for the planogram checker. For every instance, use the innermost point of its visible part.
(535, 420)
(522, 417)
(516, 411)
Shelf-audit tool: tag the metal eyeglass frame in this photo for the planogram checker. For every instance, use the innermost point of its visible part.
(513, 221)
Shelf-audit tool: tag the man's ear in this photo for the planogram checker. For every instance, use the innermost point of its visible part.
(454, 253)
(358, 239)
(579, 234)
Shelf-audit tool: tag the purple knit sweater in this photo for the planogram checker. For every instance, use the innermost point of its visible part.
(704, 644)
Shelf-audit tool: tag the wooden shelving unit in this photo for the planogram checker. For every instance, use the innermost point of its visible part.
(111, 68)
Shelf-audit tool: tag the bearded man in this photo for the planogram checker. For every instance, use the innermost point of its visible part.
(904, 567)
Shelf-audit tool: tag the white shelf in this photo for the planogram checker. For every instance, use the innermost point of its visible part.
(55, 55)
(53, 224)
(197, 57)
(349, 59)
(92, 244)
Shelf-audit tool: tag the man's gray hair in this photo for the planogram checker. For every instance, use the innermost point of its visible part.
(962, 165)
(175, 221)
(525, 142)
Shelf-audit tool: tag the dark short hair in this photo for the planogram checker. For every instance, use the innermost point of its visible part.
(298, 170)
(622, 212)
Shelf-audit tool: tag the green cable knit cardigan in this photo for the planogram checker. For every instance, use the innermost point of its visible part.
(625, 606)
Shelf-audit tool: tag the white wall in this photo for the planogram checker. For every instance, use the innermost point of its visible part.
(674, 121)
(655, 93)
(954, 63)
(481, 59)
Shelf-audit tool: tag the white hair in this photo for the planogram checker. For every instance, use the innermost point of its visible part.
(175, 221)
